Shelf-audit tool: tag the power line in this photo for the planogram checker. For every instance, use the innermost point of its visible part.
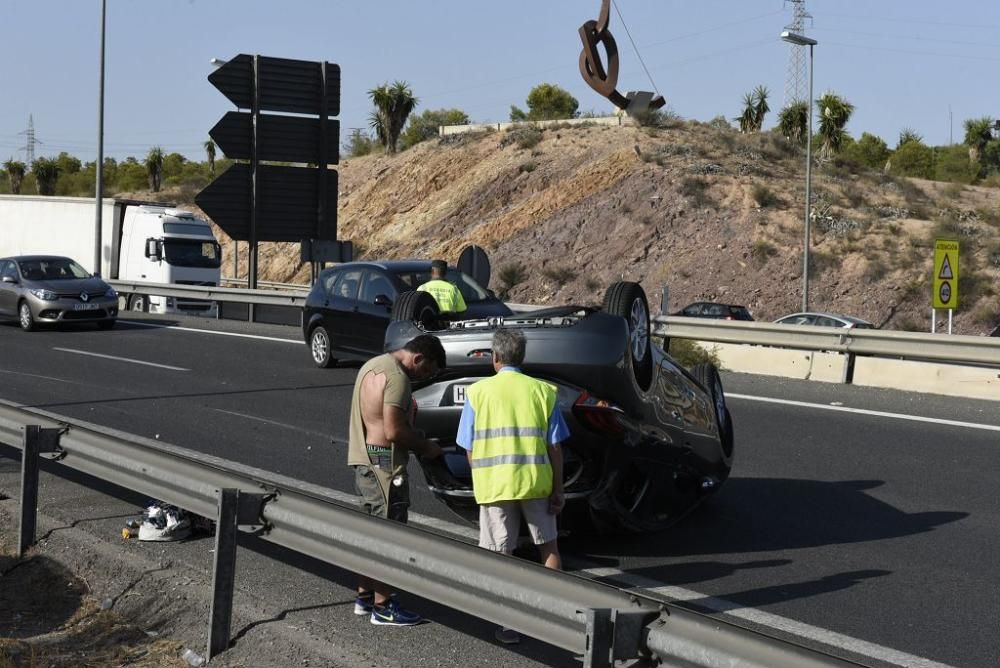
(913, 52)
(638, 55)
(915, 38)
(896, 19)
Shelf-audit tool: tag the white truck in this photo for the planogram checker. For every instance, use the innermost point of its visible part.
(142, 242)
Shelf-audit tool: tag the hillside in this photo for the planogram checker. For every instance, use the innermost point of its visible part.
(711, 213)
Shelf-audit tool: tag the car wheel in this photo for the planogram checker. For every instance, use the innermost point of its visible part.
(708, 376)
(25, 317)
(139, 303)
(417, 306)
(628, 300)
(106, 324)
(321, 348)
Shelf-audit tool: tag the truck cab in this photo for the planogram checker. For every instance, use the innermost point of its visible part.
(167, 245)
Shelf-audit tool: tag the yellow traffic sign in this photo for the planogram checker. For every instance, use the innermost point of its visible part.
(945, 273)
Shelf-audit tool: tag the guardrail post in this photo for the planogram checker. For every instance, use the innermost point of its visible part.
(36, 441)
(600, 635)
(224, 574)
(615, 635)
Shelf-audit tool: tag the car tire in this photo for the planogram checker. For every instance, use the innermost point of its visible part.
(25, 317)
(708, 375)
(138, 303)
(628, 300)
(321, 348)
(106, 324)
(417, 306)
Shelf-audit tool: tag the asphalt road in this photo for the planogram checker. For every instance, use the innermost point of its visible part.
(862, 530)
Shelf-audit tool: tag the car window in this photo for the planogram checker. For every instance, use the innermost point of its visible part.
(798, 320)
(741, 313)
(8, 269)
(52, 269)
(828, 322)
(347, 284)
(328, 280)
(715, 310)
(471, 291)
(863, 325)
(692, 310)
(376, 283)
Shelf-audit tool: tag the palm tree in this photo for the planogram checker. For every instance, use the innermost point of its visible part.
(906, 135)
(393, 105)
(746, 119)
(834, 113)
(978, 133)
(793, 121)
(46, 172)
(760, 107)
(210, 152)
(15, 174)
(154, 167)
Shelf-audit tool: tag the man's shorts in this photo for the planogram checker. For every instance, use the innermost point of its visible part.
(500, 524)
(372, 501)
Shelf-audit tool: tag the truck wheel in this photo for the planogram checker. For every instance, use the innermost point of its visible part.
(419, 307)
(628, 300)
(25, 317)
(321, 348)
(138, 303)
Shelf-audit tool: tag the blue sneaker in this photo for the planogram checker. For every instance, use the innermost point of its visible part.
(391, 614)
(364, 604)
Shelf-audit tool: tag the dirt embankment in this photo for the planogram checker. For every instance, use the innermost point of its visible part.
(711, 213)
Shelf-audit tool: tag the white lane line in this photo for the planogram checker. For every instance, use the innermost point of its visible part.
(36, 375)
(121, 359)
(212, 331)
(823, 636)
(274, 422)
(863, 411)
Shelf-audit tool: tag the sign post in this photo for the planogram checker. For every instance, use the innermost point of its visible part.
(945, 284)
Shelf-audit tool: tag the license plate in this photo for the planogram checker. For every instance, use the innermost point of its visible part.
(85, 307)
(458, 394)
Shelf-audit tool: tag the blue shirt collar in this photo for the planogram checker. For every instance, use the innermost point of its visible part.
(508, 367)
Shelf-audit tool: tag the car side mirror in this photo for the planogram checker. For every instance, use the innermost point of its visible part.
(382, 300)
(9, 279)
(153, 249)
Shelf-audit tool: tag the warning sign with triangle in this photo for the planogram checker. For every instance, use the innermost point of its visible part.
(946, 272)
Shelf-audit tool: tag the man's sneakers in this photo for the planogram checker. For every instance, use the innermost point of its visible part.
(391, 614)
(364, 604)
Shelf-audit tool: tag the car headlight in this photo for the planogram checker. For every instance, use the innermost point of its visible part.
(45, 295)
(111, 294)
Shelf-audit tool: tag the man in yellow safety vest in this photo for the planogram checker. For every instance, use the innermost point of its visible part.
(511, 428)
(448, 297)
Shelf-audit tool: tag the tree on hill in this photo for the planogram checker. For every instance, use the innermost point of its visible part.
(393, 105)
(913, 158)
(46, 171)
(870, 151)
(15, 174)
(358, 144)
(755, 107)
(978, 133)
(834, 113)
(547, 102)
(210, 154)
(67, 163)
(793, 122)
(907, 135)
(425, 126)
(154, 168)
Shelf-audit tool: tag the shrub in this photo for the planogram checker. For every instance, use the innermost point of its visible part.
(910, 324)
(591, 284)
(913, 158)
(855, 197)
(762, 251)
(510, 275)
(870, 151)
(525, 137)
(720, 122)
(689, 354)
(658, 118)
(527, 167)
(763, 196)
(559, 275)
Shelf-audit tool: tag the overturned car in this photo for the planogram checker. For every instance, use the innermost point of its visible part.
(649, 438)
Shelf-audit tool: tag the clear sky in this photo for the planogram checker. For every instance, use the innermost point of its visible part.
(902, 63)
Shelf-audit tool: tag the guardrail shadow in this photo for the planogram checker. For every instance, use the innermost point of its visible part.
(772, 514)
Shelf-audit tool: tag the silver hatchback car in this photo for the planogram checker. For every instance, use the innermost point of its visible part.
(49, 289)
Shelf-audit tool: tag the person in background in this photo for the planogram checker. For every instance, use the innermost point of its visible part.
(447, 295)
(511, 428)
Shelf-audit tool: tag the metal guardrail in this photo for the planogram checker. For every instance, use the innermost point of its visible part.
(884, 343)
(211, 292)
(600, 622)
(268, 284)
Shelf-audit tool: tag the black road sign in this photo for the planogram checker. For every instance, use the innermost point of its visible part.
(474, 262)
(287, 85)
(286, 203)
(323, 250)
(279, 138)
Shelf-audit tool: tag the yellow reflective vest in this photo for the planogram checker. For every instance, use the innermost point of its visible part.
(448, 297)
(510, 459)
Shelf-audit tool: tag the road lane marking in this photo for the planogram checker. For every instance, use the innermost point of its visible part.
(273, 422)
(212, 331)
(767, 619)
(121, 359)
(864, 411)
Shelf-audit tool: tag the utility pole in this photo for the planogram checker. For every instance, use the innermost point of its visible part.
(797, 76)
(99, 167)
(31, 140)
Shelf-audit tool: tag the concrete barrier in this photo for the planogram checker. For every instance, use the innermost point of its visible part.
(766, 361)
(931, 377)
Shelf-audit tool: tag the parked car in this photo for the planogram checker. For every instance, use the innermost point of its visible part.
(50, 289)
(825, 320)
(350, 306)
(649, 439)
(714, 310)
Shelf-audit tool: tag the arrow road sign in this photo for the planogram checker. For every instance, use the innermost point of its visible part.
(279, 138)
(286, 203)
(285, 85)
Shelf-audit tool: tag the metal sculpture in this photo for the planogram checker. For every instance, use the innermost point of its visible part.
(605, 82)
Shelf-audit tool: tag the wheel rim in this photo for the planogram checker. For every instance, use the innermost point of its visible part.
(426, 316)
(139, 304)
(320, 346)
(720, 404)
(639, 330)
(25, 316)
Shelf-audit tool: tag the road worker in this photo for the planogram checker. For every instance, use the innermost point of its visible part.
(447, 295)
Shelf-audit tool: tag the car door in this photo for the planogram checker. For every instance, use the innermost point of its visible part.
(342, 314)
(8, 291)
(372, 317)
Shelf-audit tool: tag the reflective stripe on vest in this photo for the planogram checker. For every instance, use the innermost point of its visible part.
(510, 459)
(443, 293)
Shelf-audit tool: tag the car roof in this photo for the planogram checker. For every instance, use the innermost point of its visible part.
(20, 258)
(390, 265)
(823, 314)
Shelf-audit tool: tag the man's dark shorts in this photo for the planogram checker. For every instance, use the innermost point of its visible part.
(372, 501)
